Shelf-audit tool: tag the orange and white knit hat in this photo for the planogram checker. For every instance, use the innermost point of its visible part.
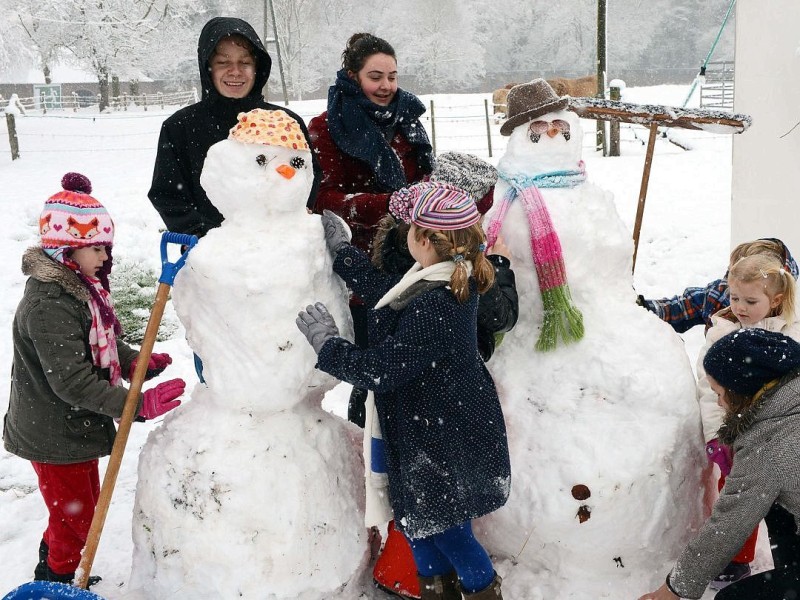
(270, 128)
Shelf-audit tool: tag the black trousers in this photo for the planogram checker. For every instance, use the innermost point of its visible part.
(783, 582)
(356, 412)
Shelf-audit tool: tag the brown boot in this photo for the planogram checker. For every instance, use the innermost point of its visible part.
(439, 587)
(491, 592)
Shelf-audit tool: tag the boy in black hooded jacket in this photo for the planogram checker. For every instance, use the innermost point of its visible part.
(229, 52)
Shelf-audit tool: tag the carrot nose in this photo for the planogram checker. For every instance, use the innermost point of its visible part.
(552, 131)
(286, 171)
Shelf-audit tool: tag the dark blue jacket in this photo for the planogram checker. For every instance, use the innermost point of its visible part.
(446, 447)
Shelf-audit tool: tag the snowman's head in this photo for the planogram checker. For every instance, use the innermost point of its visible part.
(544, 135)
(263, 168)
(550, 142)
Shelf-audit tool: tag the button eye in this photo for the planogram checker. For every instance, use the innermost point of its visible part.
(297, 162)
(261, 160)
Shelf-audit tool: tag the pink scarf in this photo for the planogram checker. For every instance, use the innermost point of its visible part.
(102, 337)
(561, 317)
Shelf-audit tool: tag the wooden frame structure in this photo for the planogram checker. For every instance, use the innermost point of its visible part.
(654, 116)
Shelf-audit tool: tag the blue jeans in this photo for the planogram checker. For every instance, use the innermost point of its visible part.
(454, 549)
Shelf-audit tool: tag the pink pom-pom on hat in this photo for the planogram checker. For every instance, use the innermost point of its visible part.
(76, 182)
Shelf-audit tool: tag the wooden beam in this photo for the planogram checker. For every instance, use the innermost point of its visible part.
(716, 121)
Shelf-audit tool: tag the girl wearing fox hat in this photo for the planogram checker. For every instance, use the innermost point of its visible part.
(66, 381)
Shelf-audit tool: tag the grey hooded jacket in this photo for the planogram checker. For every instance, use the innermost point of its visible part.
(62, 407)
(766, 444)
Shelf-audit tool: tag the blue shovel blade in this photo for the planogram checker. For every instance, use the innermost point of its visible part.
(48, 590)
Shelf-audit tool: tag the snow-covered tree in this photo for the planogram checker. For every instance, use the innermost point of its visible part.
(440, 43)
(309, 32)
(34, 25)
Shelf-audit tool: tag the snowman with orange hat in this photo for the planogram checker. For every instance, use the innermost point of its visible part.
(254, 476)
(598, 396)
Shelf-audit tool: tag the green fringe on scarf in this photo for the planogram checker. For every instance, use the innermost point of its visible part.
(561, 319)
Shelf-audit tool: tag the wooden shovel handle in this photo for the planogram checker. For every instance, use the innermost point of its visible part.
(115, 460)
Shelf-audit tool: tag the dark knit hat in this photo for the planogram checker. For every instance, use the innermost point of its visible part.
(530, 100)
(465, 171)
(745, 360)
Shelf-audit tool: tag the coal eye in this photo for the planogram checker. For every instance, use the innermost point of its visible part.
(297, 162)
(261, 160)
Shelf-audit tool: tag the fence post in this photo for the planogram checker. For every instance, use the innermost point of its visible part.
(488, 128)
(144, 101)
(124, 101)
(616, 94)
(75, 102)
(13, 141)
(161, 100)
(433, 130)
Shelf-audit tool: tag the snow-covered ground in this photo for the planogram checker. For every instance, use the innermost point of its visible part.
(684, 241)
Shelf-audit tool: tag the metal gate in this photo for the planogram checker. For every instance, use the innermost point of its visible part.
(717, 91)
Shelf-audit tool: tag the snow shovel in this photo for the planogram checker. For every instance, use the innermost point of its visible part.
(44, 590)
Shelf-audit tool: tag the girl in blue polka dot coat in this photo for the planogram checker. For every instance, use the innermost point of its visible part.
(445, 439)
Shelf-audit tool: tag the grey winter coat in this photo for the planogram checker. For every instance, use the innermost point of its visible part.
(62, 407)
(766, 443)
(445, 437)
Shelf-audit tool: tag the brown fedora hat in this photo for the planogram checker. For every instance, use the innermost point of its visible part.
(527, 101)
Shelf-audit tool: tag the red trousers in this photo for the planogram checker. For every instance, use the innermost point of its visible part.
(70, 493)
(748, 551)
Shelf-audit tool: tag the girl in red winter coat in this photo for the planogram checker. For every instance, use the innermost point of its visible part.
(369, 143)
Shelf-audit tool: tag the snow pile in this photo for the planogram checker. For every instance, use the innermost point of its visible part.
(252, 464)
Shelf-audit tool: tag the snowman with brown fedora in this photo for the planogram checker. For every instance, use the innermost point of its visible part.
(598, 395)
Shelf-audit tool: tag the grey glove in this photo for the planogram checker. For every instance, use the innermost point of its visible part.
(336, 234)
(465, 171)
(317, 324)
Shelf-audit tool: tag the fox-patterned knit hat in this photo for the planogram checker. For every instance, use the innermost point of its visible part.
(73, 219)
(435, 205)
(269, 127)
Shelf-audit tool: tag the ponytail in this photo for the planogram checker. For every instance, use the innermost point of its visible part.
(460, 246)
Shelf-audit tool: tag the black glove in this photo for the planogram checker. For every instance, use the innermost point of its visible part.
(317, 324)
(336, 234)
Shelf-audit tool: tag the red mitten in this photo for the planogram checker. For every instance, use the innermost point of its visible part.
(155, 366)
(721, 455)
(162, 398)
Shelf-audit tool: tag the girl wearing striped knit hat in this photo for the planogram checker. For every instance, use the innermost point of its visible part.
(66, 382)
(444, 448)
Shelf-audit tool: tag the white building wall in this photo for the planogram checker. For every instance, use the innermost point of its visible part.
(765, 190)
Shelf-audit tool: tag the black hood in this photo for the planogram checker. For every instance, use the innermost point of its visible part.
(216, 29)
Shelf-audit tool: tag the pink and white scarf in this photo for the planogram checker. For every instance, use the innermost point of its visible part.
(102, 337)
(561, 317)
